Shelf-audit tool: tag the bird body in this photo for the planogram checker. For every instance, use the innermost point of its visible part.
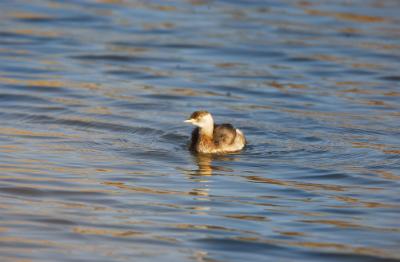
(208, 137)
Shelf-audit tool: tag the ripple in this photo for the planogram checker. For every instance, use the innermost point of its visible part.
(15, 98)
(45, 19)
(241, 247)
(126, 58)
(168, 45)
(391, 78)
(134, 74)
(34, 192)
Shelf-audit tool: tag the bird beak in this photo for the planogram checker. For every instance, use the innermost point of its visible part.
(189, 121)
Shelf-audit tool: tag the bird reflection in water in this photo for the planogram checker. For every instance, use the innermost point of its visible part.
(205, 163)
(202, 177)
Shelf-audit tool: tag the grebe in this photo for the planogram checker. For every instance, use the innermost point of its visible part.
(210, 138)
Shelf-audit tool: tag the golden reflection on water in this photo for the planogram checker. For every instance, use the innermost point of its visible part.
(348, 16)
(101, 110)
(28, 15)
(298, 185)
(28, 133)
(106, 232)
(36, 32)
(10, 148)
(49, 83)
(145, 189)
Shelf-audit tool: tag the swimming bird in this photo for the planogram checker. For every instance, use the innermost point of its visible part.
(208, 137)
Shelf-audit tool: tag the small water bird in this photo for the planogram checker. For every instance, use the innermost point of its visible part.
(210, 138)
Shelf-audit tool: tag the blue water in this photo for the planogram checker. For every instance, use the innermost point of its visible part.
(94, 164)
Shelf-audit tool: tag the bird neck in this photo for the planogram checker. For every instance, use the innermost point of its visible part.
(207, 131)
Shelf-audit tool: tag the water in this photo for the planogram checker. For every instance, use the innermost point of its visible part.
(94, 163)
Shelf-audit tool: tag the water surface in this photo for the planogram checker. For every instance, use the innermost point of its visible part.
(94, 163)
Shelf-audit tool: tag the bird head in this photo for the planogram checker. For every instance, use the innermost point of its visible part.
(202, 119)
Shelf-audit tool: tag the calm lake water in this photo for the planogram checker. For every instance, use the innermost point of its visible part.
(94, 163)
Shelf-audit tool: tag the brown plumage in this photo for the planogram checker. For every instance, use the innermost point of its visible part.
(208, 137)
